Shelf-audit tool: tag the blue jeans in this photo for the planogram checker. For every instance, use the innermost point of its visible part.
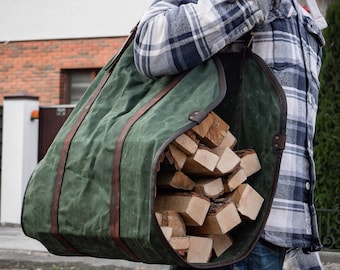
(264, 256)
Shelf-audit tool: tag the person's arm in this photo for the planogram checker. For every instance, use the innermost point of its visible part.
(176, 35)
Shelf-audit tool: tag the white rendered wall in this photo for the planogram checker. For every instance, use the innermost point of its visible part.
(61, 19)
(19, 154)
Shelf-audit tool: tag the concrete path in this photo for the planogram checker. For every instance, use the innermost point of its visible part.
(15, 247)
(18, 250)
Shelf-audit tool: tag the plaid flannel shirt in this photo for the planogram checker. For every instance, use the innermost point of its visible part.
(175, 35)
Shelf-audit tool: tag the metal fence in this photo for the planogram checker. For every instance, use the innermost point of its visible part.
(329, 228)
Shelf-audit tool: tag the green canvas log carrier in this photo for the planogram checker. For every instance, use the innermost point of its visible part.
(93, 193)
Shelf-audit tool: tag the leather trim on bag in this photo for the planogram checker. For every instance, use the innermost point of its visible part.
(61, 168)
(127, 42)
(67, 144)
(282, 98)
(196, 117)
(279, 139)
(279, 142)
(115, 192)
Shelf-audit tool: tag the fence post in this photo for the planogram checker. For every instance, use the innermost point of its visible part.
(19, 152)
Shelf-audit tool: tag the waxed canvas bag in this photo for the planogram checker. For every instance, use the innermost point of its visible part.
(93, 193)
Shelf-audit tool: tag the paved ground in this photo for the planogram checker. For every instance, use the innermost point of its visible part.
(20, 252)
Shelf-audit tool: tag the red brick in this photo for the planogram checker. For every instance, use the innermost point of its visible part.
(34, 67)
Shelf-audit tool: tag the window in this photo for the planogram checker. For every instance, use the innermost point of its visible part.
(74, 82)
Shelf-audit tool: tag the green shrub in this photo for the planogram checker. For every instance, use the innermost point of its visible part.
(327, 138)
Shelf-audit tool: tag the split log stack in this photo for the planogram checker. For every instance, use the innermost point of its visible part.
(202, 190)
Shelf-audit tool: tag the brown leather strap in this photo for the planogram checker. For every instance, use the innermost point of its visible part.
(118, 55)
(61, 167)
(115, 193)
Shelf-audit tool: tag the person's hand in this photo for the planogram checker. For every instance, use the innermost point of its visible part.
(267, 5)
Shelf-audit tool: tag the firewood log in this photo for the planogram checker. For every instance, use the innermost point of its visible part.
(174, 179)
(202, 162)
(219, 221)
(247, 200)
(221, 242)
(249, 161)
(186, 144)
(192, 207)
(232, 181)
(211, 187)
(200, 249)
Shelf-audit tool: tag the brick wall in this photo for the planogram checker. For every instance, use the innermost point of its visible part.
(34, 67)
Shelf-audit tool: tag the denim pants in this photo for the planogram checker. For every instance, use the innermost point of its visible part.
(264, 256)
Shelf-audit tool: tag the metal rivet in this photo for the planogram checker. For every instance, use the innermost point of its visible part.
(245, 29)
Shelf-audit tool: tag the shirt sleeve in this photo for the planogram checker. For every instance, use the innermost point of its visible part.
(176, 35)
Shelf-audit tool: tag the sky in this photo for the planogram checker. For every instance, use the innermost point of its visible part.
(53, 19)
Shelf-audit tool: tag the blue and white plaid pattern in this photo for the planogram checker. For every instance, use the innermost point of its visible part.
(176, 35)
(170, 31)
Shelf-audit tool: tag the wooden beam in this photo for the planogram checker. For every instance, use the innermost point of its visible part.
(215, 134)
(192, 207)
(180, 243)
(203, 161)
(176, 222)
(247, 200)
(159, 218)
(211, 187)
(229, 141)
(249, 161)
(221, 242)
(186, 144)
(227, 162)
(178, 157)
(203, 127)
(174, 179)
(232, 181)
(219, 221)
(167, 231)
(200, 249)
